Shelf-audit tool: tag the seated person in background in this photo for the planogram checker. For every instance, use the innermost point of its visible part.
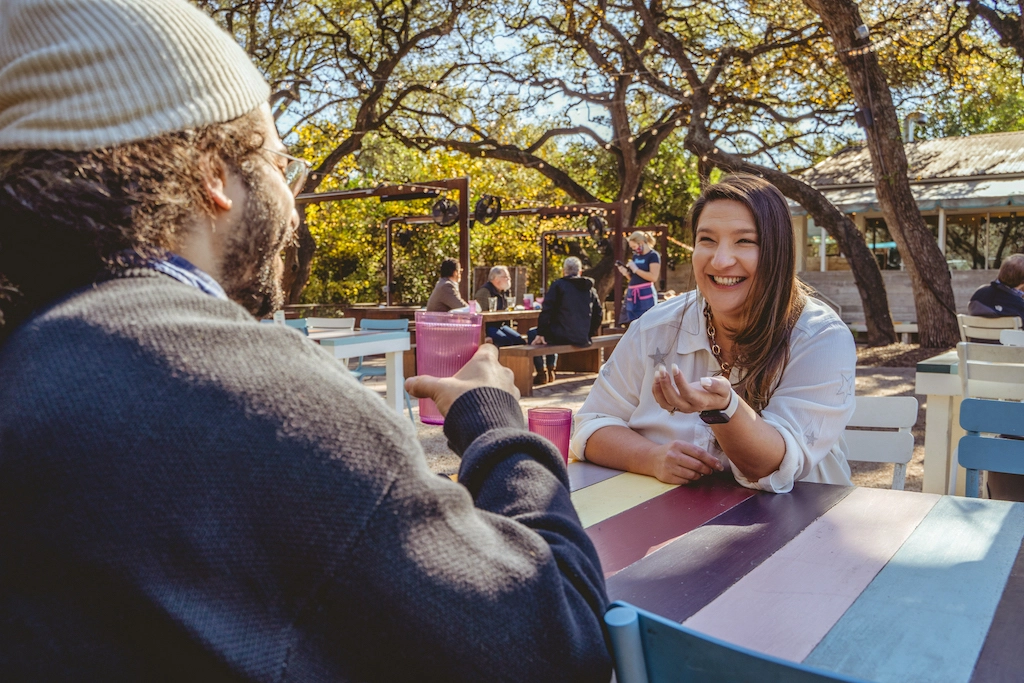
(498, 283)
(1004, 297)
(747, 372)
(571, 314)
(187, 495)
(643, 271)
(445, 296)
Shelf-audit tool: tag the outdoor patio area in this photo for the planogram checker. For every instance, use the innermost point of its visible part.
(571, 389)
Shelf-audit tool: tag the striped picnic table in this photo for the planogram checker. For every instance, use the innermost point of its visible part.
(876, 584)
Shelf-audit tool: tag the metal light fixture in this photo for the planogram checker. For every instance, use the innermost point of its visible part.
(487, 209)
(445, 212)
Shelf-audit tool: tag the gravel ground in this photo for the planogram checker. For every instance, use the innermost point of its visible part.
(883, 371)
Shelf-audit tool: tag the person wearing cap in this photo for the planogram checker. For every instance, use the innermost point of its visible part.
(188, 495)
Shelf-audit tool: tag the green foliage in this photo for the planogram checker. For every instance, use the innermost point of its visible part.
(349, 264)
(992, 104)
(499, 77)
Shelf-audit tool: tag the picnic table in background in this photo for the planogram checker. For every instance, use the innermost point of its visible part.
(938, 379)
(345, 344)
(876, 584)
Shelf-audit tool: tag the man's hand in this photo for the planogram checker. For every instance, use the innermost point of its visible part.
(672, 392)
(538, 340)
(482, 370)
(679, 462)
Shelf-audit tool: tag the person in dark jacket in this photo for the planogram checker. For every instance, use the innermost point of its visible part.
(188, 495)
(1004, 297)
(571, 314)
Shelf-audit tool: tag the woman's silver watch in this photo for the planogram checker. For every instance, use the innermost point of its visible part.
(717, 417)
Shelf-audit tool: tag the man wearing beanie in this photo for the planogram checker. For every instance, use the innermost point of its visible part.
(186, 494)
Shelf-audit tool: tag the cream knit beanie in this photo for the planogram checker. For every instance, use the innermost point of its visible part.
(83, 74)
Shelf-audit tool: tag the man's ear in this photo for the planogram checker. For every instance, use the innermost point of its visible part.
(215, 179)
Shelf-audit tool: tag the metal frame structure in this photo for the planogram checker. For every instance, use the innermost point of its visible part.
(405, 192)
(612, 211)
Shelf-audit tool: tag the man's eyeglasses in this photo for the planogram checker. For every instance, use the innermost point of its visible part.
(295, 173)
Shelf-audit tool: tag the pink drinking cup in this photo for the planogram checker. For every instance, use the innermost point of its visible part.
(444, 343)
(554, 424)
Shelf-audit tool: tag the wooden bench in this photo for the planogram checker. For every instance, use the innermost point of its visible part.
(519, 359)
(902, 329)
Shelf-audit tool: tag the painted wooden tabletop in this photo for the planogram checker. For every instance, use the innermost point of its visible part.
(876, 584)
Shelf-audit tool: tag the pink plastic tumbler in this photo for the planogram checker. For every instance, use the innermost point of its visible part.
(444, 343)
(554, 424)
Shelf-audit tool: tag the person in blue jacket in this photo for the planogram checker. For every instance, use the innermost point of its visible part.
(1004, 296)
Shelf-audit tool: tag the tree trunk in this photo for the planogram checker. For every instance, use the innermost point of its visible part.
(929, 274)
(866, 274)
(298, 259)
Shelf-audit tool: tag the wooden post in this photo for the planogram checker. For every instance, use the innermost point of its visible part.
(462, 185)
(615, 223)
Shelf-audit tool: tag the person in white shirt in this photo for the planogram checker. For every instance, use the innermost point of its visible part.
(748, 372)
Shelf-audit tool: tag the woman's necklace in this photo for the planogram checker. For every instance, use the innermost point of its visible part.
(716, 350)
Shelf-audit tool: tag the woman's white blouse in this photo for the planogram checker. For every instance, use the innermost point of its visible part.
(810, 407)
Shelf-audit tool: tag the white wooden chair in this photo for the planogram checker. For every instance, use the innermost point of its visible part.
(1011, 337)
(977, 327)
(883, 433)
(991, 371)
(314, 324)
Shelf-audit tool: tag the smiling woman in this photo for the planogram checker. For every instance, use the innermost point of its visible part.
(747, 372)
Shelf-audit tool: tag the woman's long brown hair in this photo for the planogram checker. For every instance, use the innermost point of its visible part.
(776, 296)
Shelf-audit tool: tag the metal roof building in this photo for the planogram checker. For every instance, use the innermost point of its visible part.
(973, 172)
(967, 189)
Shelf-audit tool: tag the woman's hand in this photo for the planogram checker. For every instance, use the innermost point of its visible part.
(624, 270)
(673, 392)
(482, 370)
(679, 462)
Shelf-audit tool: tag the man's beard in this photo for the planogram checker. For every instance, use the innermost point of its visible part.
(251, 271)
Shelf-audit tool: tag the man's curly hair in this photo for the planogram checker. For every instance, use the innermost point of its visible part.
(65, 216)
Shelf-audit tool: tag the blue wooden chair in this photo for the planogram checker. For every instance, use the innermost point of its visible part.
(651, 649)
(361, 371)
(298, 324)
(995, 451)
(987, 371)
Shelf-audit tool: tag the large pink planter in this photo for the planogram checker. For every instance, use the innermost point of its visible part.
(444, 343)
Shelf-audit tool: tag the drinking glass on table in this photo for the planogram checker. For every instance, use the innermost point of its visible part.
(554, 424)
(492, 303)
